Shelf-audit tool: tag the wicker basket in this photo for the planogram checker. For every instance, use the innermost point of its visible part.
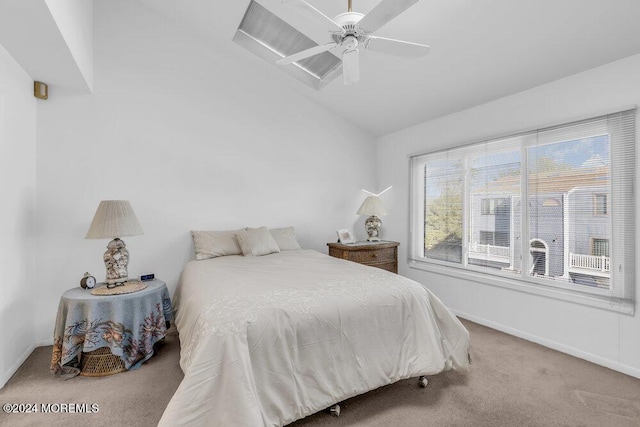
(100, 363)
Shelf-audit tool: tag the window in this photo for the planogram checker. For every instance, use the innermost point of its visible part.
(526, 208)
(600, 247)
(495, 238)
(443, 210)
(600, 204)
(489, 206)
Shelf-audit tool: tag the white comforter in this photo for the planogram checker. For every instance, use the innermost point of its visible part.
(268, 340)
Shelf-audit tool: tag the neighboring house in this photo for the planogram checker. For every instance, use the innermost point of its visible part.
(589, 223)
(569, 228)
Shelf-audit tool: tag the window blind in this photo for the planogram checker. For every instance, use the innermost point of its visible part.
(554, 207)
(493, 187)
(443, 205)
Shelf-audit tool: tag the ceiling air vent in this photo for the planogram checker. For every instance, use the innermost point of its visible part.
(270, 38)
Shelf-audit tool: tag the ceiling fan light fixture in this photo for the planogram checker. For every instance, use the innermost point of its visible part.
(350, 43)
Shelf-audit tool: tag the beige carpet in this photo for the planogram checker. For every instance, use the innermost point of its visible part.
(512, 382)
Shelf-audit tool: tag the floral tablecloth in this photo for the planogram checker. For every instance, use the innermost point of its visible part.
(128, 324)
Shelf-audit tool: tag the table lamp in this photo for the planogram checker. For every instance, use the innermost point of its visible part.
(373, 207)
(115, 219)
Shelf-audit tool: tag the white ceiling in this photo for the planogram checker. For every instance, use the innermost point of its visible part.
(481, 50)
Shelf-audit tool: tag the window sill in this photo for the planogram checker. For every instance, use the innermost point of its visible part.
(620, 306)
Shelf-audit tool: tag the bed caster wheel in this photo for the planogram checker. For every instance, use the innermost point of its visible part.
(334, 410)
(423, 381)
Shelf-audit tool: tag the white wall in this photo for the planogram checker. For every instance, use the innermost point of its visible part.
(194, 138)
(604, 337)
(17, 215)
(51, 40)
(74, 19)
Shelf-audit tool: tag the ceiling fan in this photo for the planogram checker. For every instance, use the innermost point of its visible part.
(350, 31)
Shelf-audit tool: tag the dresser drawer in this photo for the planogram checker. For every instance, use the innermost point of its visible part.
(372, 256)
(389, 266)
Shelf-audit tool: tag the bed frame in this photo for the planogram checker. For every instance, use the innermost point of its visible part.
(334, 410)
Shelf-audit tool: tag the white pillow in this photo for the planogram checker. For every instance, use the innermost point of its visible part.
(285, 238)
(212, 244)
(256, 242)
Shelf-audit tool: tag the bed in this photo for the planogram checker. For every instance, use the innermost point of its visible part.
(266, 340)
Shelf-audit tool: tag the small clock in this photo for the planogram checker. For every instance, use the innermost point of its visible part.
(88, 281)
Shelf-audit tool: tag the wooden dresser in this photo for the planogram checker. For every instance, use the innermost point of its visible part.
(383, 254)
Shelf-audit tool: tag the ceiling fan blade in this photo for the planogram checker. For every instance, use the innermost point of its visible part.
(396, 47)
(306, 53)
(350, 66)
(310, 12)
(384, 12)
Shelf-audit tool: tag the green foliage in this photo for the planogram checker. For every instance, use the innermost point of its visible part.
(443, 218)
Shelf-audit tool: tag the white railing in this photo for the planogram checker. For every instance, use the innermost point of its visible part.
(498, 251)
(590, 262)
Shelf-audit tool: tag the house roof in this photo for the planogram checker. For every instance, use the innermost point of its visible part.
(548, 182)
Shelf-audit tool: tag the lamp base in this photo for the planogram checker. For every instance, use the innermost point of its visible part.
(116, 260)
(120, 280)
(373, 224)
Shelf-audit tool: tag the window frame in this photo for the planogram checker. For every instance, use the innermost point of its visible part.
(608, 299)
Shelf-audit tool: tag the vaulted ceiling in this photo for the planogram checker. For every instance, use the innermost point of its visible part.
(481, 50)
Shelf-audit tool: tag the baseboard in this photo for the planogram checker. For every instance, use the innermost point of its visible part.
(44, 343)
(6, 376)
(607, 363)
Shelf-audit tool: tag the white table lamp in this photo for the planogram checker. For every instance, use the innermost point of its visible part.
(115, 219)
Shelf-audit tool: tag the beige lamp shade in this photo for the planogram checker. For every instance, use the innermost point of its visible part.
(372, 205)
(114, 218)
